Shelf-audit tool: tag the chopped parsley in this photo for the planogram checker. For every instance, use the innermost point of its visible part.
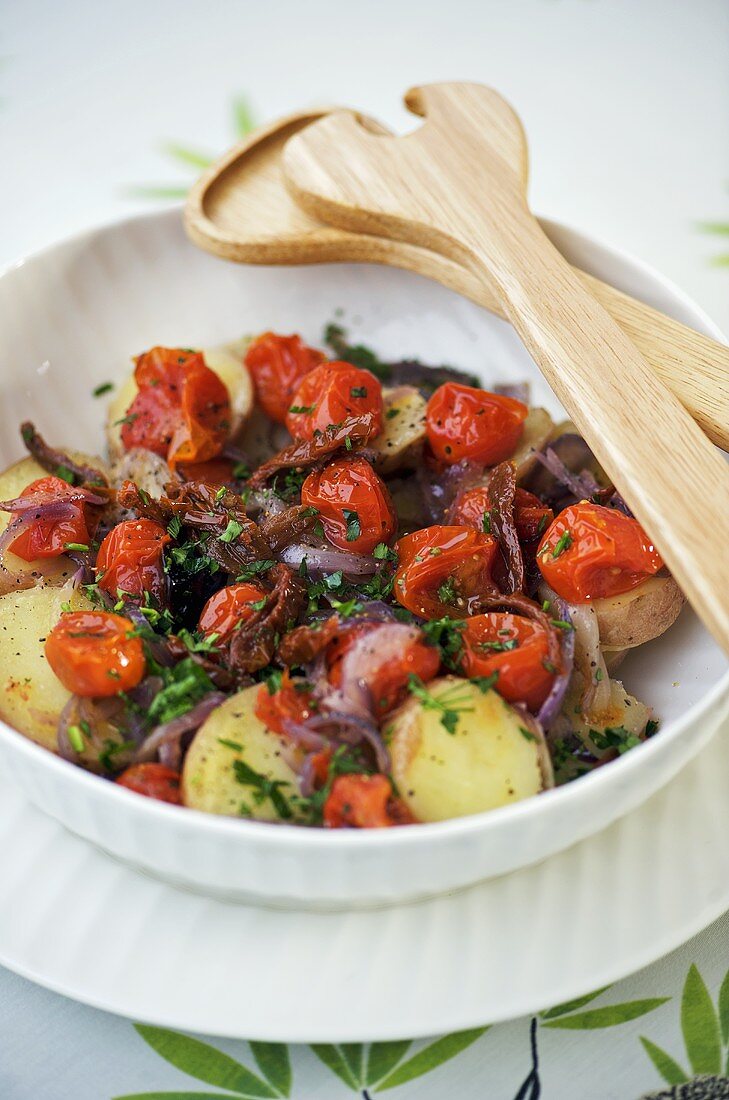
(184, 685)
(614, 737)
(263, 788)
(526, 734)
(358, 391)
(564, 542)
(651, 727)
(447, 591)
(241, 470)
(65, 474)
(446, 634)
(392, 413)
(486, 523)
(356, 354)
(76, 546)
(305, 409)
(128, 419)
(232, 531)
(102, 388)
(254, 569)
(76, 738)
(383, 552)
(347, 608)
(450, 704)
(354, 527)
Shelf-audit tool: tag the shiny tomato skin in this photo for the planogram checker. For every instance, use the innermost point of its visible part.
(215, 471)
(590, 552)
(360, 802)
(351, 485)
(228, 609)
(522, 675)
(45, 538)
(532, 517)
(389, 686)
(336, 393)
(291, 703)
(130, 559)
(277, 365)
(154, 781)
(442, 568)
(95, 653)
(464, 422)
(182, 410)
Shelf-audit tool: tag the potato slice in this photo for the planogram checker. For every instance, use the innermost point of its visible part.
(400, 443)
(233, 733)
(538, 428)
(226, 361)
(31, 697)
(638, 616)
(491, 759)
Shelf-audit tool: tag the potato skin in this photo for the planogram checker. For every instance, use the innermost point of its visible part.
(209, 780)
(31, 697)
(538, 428)
(490, 760)
(400, 443)
(640, 615)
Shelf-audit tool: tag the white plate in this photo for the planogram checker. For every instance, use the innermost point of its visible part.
(85, 925)
(70, 318)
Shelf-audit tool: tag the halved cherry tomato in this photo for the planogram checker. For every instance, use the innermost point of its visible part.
(95, 653)
(48, 538)
(334, 394)
(278, 364)
(363, 802)
(292, 702)
(472, 509)
(591, 551)
(516, 648)
(154, 781)
(228, 609)
(182, 409)
(442, 568)
(216, 471)
(353, 504)
(463, 422)
(387, 681)
(131, 559)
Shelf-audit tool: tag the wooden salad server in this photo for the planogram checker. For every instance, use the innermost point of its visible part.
(428, 189)
(240, 210)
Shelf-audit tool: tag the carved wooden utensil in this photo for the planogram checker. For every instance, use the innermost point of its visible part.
(240, 210)
(428, 189)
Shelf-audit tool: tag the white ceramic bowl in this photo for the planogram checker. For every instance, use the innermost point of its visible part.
(72, 316)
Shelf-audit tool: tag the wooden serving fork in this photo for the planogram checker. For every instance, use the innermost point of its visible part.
(428, 189)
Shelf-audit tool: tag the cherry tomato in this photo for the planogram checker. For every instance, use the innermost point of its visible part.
(516, 648)
(278, 364)
(442, 568)
(463, 422)
(531, 516)
(95, 653)
(291, 703)
(48, 538)
(131, 559)
(228, 609)
(154, 781)
(182, 410)
(333, 394)
(590, 551)
(358, 801)
(216, 471)
(353, 504)
(387, 682)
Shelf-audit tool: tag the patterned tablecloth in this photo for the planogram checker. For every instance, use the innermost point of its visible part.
(106, 109)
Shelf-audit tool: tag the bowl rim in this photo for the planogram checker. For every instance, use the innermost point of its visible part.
(283, 836)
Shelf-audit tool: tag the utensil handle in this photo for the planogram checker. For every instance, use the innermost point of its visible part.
(640, 433)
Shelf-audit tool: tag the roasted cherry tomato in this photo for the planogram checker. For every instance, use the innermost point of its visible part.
(277, 365)
(463, 422)
(228, 609)
(353, 504)
(473, 508)
(591, 551)
(442, 568)
(291, 703)
(154, 781)
(334, 394)
(48, 538)
(216, 471)
(95, 653)
(517, 649)
(131, 559)
(182, 409)
(363, 802)
(387, 681)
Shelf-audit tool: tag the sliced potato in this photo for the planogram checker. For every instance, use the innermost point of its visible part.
(638, 616)
(145, 468)
(210, 781)
(31, 697)
(538, 428)
(400, 443)
(226, 361)
(491, 759)
(12, 482)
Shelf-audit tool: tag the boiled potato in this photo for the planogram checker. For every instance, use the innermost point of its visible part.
(226, 361)
(491, 759)
(12, 482)
(234, 733)
(31, 697)
(538, 428)
(400, 443)
(145, 468)
(639, 615)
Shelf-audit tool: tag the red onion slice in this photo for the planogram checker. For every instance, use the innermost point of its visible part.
(518, 390)
(165, 739)
(353, 566)
(552, 705)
